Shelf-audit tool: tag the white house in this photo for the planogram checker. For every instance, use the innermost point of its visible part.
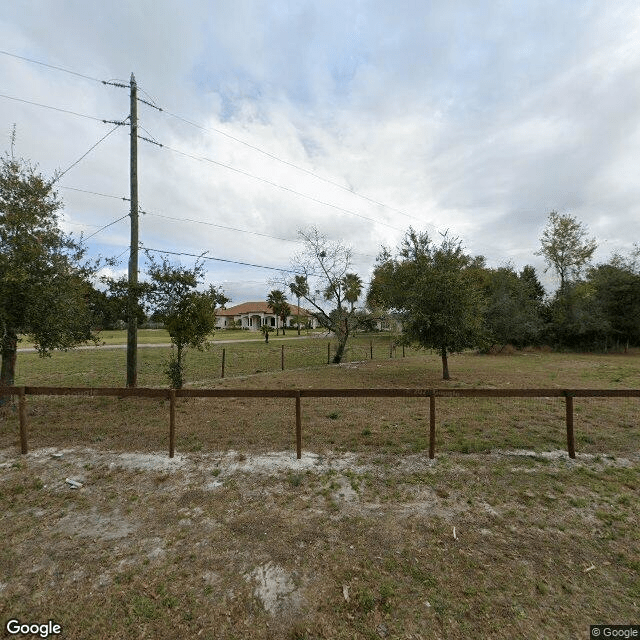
(253, 315)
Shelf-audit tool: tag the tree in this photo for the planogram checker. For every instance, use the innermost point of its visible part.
(277, 302)
(565, 247)
(299, 288)
(324, 267)
(512, 310)
(437, 291)
(616, 287)
(43, 284)
(188, 315)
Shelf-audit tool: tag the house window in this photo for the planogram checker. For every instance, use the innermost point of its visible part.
(273, 322)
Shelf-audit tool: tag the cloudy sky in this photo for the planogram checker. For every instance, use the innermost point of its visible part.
(476, 117)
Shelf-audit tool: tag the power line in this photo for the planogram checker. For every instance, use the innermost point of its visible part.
(52, 66)
(219, 226)
(47, 106)
(105, 226)
(94, 193)
(291, 164)
(279, 186)
(205, 257)
(84, 155)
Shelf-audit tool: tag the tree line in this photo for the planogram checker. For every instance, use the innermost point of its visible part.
(448, 300)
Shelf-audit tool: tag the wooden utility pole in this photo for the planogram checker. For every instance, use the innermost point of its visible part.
(132, 330)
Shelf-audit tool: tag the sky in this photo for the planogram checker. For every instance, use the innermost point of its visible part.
(360, 118)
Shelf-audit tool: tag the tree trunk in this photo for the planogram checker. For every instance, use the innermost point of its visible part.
(284, 324)
(445, 364)
(8, 368)
(298, 316)
(342, 338)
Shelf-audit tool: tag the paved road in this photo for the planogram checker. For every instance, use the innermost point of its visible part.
(168, 344)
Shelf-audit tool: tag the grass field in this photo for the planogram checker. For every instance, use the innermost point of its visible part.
(502, 536)
(107, 367)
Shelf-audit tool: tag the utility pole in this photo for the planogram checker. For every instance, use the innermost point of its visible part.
(132, 329)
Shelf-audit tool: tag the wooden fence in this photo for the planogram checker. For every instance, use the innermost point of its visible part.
(299, 394)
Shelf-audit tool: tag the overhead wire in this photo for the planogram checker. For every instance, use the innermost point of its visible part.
(51, 66)
(47, 106)
(84, 155)
(290, 164)
(106, 226)
(95, 193)
(279, 186)
(206, 257)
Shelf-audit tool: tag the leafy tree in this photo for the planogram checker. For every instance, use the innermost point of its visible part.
(565, 247)
(277, 302)
(534, 289)
(324, 268)
(436, 289)
(110, 307)
(188, 315)
(299, 288)
(43, 284)
(576, 320)
(512, 312)
(616, 287)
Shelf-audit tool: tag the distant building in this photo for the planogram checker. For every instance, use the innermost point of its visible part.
(253, 315)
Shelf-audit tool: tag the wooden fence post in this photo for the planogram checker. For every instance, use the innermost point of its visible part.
(282, 358)
(22, 410)
(298, 426)
(223, 358)
(571, 444)
(432, 425)
(172, 422)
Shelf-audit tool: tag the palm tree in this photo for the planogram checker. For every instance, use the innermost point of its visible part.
(352, 288)
(299, 288)
(276, 301)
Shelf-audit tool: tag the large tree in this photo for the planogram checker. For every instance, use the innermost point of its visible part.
(43, 283)
(189, 315)
(566, 247)
(326, 282)
(437, 291)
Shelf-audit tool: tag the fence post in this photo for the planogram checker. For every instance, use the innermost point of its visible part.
(282, 358)
(432, 425)
(172, 422)
(298, 426)
(22, 410)
(571, 444)
(223, 358)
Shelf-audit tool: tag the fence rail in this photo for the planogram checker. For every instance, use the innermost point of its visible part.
(298, 394)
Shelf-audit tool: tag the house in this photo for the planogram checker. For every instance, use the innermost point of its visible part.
(253, 315)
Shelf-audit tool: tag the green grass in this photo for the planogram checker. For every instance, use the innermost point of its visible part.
(106, 367)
